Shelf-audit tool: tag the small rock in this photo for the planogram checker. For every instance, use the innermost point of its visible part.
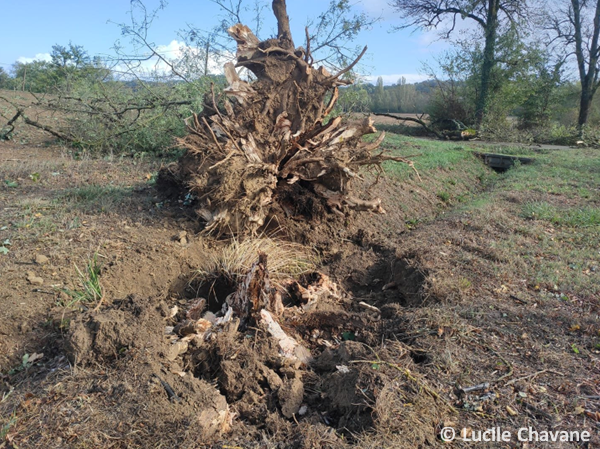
(40, 259)
(176, 349)
(172, 312)
(34, 280)
(181, 237)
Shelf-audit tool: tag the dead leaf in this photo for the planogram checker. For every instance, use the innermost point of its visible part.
(593, 415)
(35, 356)
(511, 411)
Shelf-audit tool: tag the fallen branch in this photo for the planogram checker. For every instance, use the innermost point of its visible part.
(5, 135)
(48, 129)
(532, 376)
(483, 386)
(414, 120)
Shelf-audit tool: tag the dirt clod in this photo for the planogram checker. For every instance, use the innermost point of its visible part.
(291, 395)
(40, 259)
(33, 279)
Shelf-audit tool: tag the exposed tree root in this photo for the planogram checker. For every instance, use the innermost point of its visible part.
(257, 137)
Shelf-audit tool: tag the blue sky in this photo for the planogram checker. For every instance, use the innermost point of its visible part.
(29, 30)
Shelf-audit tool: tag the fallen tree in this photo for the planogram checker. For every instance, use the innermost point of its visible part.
(262, 144)
(440, 129)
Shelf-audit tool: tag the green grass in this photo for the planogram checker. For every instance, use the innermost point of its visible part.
(428, 156)
(91, 289)
(7, 425)
(444, 196)
(573, 173)
(562, 216)
(555, 230)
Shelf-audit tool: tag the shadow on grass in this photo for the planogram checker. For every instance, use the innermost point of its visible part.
(97, 198)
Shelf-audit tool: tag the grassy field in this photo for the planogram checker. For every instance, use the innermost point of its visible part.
(551, 206)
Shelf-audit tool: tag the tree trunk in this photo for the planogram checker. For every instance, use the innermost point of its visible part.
(589, 79)
(284, 34)
(585, 104)
(489, 60)
(267, 149)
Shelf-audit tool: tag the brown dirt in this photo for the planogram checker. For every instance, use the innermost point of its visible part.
(110, 377)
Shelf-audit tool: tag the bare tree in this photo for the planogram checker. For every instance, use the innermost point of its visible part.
(576, 26)
(489, 15)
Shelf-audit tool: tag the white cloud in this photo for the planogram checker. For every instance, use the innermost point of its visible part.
(393, 79)
(37, 57)
(175, 52)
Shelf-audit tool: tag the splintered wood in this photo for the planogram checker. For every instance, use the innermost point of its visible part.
(256, 139)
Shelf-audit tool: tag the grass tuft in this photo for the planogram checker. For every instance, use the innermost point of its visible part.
(234, 260)
(89, 279)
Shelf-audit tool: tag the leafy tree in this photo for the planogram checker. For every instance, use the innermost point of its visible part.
(35, 76)
(353, 98)
(492, 17)
(6, 82)
(72, 63)
(456, 89)
(576, 25)
(540, 85)
(67, 66)
(379, 97)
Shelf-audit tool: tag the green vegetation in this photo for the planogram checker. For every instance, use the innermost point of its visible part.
(549, 212)
(572, 173)
(541, 221)
(429, 156)
(7, 425)
(563, 216)
(506, 87)
(91, 290)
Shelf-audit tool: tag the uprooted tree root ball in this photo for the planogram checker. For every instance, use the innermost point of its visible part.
(251, 143)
